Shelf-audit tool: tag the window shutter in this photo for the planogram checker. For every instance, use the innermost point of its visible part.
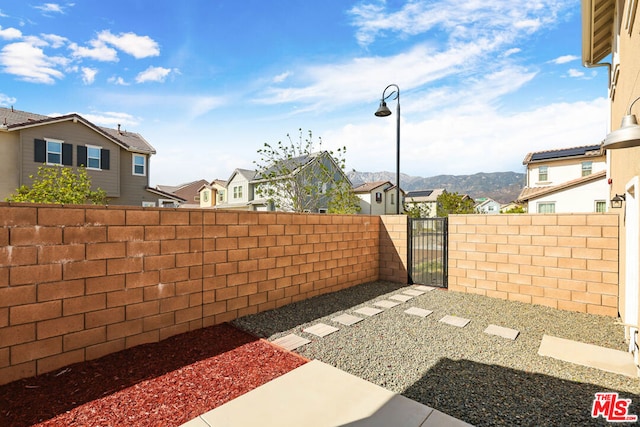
(67, 154)
(104, 159)
(39, 151)
(82, 155)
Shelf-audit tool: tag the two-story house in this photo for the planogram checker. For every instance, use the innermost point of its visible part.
(566, 180)
(377, 198)
(487, 206)
(116, 160)
(189, 191)
(213, 193)
(424, 200)
(240, 192)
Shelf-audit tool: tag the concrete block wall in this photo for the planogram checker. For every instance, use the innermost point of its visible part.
(393, 248)
(77, 283)
(565, 261)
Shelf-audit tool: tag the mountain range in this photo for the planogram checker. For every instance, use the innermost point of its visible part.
(503, 187)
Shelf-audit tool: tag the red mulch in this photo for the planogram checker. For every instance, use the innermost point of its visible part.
(166, 383)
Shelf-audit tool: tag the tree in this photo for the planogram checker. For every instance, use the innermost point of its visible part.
(417, 210)
(343, 199)
(515, 210)
(60, 185)
(297, 177)
(454, 203)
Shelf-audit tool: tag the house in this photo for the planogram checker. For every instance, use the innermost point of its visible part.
(486, 205)
(424, 200)
(212, 194)
(511, 207)
(188, 191)
(567, 180)
(116, 160)
(240, 192)
(610, 33)
(377, 198)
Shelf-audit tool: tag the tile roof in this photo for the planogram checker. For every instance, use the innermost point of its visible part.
(529, 193)
(368, 186)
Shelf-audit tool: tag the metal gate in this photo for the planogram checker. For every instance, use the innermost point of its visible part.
(427, 252)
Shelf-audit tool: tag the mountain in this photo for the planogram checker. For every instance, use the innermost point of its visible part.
(503, 187)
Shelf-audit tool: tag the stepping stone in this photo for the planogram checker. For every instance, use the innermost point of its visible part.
(416, 311)
(413, 292)
(424, 288)
(501, 331)
(368, 311)
(460, 322)
(347, 319)
(401, 298)
(386, 304)
(291, 342)
(321, 330)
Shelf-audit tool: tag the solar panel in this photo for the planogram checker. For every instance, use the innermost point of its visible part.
(568, 152)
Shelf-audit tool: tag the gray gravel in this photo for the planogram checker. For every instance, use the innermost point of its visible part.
(479, 378)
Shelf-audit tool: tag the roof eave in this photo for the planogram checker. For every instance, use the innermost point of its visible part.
(597, 30)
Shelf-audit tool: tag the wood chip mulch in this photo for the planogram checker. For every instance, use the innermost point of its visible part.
(166, 383)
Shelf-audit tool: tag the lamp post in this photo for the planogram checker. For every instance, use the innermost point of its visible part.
(383, 111)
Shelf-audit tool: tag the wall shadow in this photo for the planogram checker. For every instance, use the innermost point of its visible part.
(491, 395)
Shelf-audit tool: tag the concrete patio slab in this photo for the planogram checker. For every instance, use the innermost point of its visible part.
(319, 395)
(401, 298)
(321, 330)
(368, 311)
(386, 304)
(606, 359)
(460, 322)
(425, 288)
(347, 319)
(503, 332)
(291, 342)
(416, 311)
(413, 292)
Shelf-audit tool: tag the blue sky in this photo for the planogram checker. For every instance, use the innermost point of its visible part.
(208, 82)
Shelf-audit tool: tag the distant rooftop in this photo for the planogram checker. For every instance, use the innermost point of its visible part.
(583, 151)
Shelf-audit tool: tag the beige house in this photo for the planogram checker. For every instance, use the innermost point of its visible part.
(566, 180)
(213, 194)
(425, 200)
(116, 160)
(377, 198)
(611, 39)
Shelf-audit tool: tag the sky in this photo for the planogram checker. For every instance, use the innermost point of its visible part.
(208, 82)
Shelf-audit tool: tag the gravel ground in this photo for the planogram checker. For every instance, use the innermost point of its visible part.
(479, 378)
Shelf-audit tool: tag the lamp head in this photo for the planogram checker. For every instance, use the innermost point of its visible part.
(383, 110)
(628, 135)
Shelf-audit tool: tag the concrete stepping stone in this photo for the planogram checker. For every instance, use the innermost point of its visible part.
(291, 342)
(501, 331)
(413, 292)
(320, 329)
(347, 319)
(425, 288)
(401, 298)
(416, 311)
(460, 322)
(368, 311)
(386, 304)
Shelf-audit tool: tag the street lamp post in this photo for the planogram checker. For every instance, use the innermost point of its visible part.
(383, 111)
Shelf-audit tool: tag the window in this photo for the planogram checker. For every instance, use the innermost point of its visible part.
(205, 196)
(139, 165)
(221, 195)
(546, 207)
(93, 157)
(148, 204)
(393, 199)
(601, 206)
(54, 152)
(587, 168)
(378, 197)
(543, 173)
(237, 192)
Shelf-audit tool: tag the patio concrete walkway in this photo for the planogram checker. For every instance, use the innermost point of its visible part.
(319, 395)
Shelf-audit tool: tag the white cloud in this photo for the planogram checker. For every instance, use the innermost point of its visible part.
(10, 33)
(117, 81)
(281, 77)
(153, 74)
(54, 40)
(564, 59)
(29, 63)
(575, 73)
(88, 75)
(98, 51)
(112, 119)
(133, 44)
(6, 100)
(47, 8)
(511, 51)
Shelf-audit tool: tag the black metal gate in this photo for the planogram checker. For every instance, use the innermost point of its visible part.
(427, 254)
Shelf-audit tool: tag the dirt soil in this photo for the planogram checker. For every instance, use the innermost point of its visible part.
(166, 383)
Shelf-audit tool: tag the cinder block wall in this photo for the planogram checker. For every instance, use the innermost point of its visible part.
(565, 261)
(77, 283)
(393, 248)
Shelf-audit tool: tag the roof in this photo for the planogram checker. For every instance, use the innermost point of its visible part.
(564, 153)
(424, 195)
(291, 165)
(12, 120)
(165, 194)
(369, 186)
(529, 193)
(186, 191)
(597, 27)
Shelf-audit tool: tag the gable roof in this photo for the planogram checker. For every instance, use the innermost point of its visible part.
(247, 174)
(594, 150)
(369, 186)
(529, 193)
(186, 191)
(12, 120)
(424, 195)
(294, 165)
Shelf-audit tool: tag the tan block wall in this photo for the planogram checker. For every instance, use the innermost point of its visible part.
(564, 261)
(393, 248)
(77, 283)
